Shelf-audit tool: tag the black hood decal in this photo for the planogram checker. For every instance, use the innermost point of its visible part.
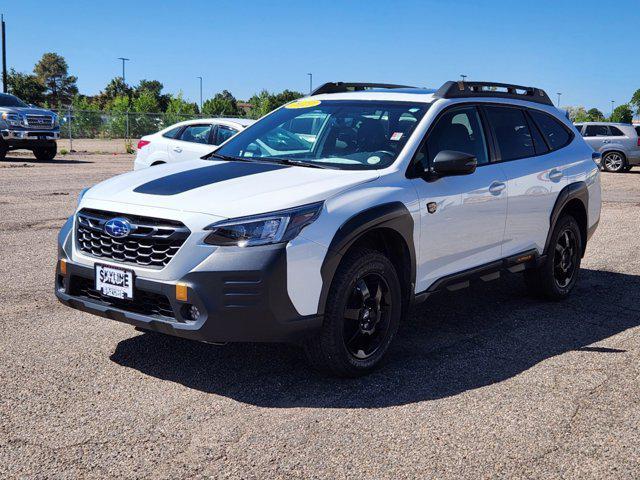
(199, 177)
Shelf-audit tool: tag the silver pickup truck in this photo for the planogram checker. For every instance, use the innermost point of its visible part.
(27, 127)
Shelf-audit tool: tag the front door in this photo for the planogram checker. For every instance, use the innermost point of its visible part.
(462, 217)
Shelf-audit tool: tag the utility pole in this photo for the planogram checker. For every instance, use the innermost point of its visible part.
(123, 60)
(200, 94)
(464, 77)
(310, 82)
(4, 57)
(559, 93)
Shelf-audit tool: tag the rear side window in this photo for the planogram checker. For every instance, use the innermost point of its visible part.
(512, 132)
(596, 131)
(579, 128)
(553, 131)
(171, 133)
(196, 134)
(638, 130)
(615, 131)
(223, 133)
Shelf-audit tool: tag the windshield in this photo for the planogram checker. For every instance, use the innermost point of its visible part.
(11, 101)
(353, 135)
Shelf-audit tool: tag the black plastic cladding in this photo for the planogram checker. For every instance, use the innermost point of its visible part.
(392, 215)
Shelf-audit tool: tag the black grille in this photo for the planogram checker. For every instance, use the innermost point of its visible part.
(152, 242)
(39, 121)
(144, 303)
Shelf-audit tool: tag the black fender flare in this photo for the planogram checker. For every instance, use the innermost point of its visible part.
(576, 190)
(393, 215)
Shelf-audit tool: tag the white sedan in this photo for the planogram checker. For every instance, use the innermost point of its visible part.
(186, 140)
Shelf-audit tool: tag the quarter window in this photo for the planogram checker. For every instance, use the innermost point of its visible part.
(171, 133)
(196, 134)
(459, 130)
(554, 132)
(512, 132)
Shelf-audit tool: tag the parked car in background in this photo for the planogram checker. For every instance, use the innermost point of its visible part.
(618, 143)
(27, 127)
(187, 140)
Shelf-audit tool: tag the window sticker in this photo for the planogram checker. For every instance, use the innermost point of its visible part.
(396, 136)
(373, 160)
(303, 104)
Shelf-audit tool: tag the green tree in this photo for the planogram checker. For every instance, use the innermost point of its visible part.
(287, 96)
(577, 114)
(154, 87)
(26, 87)
(635, 101)
(622, 114)
(114, 89)
(86, 121)
(119, 118)
(221, 104)
(261, 104)
(145, 120)
(178, 110)
(595, 115)
(52, 72)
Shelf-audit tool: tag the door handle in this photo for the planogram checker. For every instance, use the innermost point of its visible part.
(497, 187)
(555, 175)
(606, 141)
(177, 149)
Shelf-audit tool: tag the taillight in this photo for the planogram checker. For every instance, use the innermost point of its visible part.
(639, 141)
(142, 143)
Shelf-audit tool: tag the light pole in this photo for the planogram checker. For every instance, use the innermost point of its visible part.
(200, 78)
(310, 82)
(613, 102)
(4, 57)
(464, 77)
(559, 93)
(123, 60)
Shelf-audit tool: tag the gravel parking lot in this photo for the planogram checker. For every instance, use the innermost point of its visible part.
(485, 382)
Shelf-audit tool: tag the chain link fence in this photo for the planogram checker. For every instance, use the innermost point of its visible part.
(91, 124)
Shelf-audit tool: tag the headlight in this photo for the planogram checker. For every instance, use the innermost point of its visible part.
(81, 194)
(276, 227)
(13, 119)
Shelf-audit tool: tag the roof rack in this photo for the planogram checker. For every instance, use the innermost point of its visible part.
(490, 89)
(339, 87)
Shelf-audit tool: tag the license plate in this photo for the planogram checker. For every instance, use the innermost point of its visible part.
(114, 281)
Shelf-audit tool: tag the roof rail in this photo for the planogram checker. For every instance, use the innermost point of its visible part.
(491, 89)
(339, 87)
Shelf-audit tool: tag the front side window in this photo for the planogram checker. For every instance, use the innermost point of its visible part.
(353, 135)
(196, 134)
(459, 130)
(223, 133)
(597, 131)
(554, 132)
(512, 132)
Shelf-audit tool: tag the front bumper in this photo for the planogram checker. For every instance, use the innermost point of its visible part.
(30, 135)
(244, 300)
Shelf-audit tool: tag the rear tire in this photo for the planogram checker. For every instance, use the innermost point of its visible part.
(557, 276)
(362, 315)
(46, 153)
(614, 162)
(3, 150)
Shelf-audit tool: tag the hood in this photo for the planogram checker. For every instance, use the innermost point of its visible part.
(226, 189)
(27, 110)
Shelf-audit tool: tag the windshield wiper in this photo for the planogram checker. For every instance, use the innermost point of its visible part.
(228, 158)
(298, 163)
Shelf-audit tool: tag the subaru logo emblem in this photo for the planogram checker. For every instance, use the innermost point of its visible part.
(118, 227)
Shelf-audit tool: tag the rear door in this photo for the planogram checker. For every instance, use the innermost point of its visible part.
(193, 142)
(597, 136)
(530, 144)
(462, 217)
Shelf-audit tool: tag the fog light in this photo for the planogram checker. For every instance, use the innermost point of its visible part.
(190, 312)
(63, 266)
(181, 292)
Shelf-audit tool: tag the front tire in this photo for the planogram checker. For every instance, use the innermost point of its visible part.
(3, 150)
(46, 153)
(557, 276)
(614, 162)
(362, 315)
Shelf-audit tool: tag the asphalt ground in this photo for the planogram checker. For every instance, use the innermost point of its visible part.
(481, 383)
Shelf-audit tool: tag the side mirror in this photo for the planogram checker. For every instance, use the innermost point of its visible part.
(450, 162)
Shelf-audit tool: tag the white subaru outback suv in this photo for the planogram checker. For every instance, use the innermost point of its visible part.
(327, 237)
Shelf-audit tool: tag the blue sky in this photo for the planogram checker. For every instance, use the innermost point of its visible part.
(587, 50)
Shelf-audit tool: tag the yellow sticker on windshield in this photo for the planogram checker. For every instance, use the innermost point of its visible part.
(303, 104)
